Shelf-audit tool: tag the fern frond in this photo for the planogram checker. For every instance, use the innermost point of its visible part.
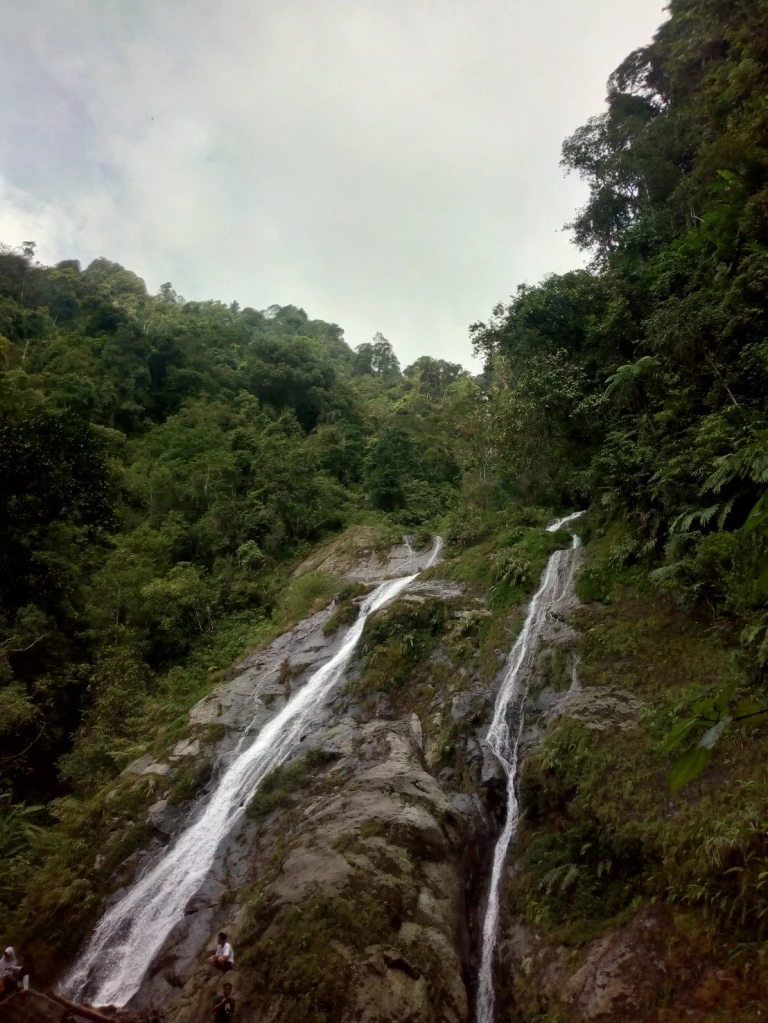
(725, 511)
(666, 572)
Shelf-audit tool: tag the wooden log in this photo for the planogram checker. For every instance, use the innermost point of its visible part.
(83, 1010)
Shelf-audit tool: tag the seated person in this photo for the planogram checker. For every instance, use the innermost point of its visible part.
(224, 1006)
(223, 958)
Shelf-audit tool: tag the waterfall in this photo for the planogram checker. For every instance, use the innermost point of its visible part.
(131, 933)
(556, 587)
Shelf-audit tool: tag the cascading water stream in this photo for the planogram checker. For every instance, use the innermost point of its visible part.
(132, 932)
(556, 587)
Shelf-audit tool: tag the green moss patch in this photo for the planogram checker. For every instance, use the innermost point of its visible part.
(278, 788)
(396, 640)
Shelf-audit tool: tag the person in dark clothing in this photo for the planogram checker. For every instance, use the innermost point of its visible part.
(26, 970)
(224, 1006)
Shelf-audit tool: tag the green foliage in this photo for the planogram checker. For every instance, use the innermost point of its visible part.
(166, 464)
(347, 608)
(306, 595)
(19, 836)
(345, 614)
(600, 832)
(188, 782)
(351, 590)
(715, 715)
(119, 686)
(464, 528)
(641, 381)
(397, 638)
(511, 567)
(517, 567)
(609, 565)
(376, 358)
(757, 522)
(404, 478)
(276, 789)
(434, 376)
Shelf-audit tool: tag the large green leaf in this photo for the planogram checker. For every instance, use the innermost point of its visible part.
(758, 517)
(749, 712)
(688, 766)
(705, 709)
(681, 730)
(723, 700)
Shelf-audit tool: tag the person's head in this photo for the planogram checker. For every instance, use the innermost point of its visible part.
(222, 937)
(227, 989)
(8, 954)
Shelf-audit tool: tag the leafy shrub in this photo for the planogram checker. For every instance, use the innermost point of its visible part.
(397, 638)
(510, 566)
(605, 567)
(276, 789)
(345, 614)
(423, 539)
(189, 781)
(463, 529)
(19, 837)
(306, 595)
(351, 590)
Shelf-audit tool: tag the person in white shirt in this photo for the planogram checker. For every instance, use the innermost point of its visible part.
(9, 967)
(223, 958)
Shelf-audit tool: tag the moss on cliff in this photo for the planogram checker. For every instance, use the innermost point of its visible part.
(600, 834)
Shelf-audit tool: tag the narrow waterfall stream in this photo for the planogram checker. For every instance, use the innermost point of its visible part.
(556, 587)
(132, 932)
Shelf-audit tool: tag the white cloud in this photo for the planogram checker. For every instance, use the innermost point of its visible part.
(388, 164)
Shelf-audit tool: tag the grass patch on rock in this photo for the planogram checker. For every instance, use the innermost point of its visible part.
(397, 639)
(278, 788)
(188, 781)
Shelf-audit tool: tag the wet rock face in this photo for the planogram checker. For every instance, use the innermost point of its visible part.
(359, 894)
(376, 838)
(353, 891)
(354, 555)
(620, 975)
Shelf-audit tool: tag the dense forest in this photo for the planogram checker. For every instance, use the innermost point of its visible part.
(648, 372)
(165, 463)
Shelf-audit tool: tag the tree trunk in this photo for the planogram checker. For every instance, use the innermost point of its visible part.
(82, 1010)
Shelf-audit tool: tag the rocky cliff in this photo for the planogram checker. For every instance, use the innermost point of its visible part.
(353, 887)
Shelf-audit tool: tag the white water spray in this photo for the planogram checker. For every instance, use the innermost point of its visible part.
(131, 933)
(556, 587)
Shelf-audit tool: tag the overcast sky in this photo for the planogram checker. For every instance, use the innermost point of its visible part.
(389, 165)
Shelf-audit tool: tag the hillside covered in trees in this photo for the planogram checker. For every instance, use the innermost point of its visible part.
(167, 464)
(647, 373)
(163, 462)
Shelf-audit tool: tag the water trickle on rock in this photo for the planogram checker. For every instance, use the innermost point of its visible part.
(503, 738)
(132, 932)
